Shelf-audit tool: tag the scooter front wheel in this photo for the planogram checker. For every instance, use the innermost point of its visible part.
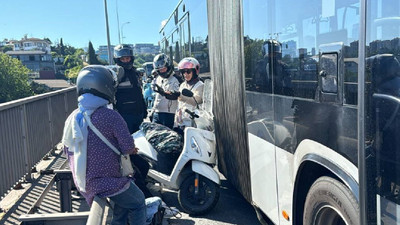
(198, 195)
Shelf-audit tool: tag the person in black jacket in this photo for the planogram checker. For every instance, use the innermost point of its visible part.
(130, 104)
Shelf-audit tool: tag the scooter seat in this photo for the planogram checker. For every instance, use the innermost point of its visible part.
(165, 162)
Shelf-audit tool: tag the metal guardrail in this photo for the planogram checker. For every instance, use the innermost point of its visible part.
(97, 211)
(29, 129)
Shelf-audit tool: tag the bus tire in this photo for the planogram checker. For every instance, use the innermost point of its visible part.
(330, 202)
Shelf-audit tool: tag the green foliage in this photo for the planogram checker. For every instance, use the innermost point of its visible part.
(142, 58)
(39, 88)
(7, 48)
(71, 61)
(92, 57)
(13, 79)
(252, 54)
(138, 62)
(62, 48)
(73, 72)
(47, 39)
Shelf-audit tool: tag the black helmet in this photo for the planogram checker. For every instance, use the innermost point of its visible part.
(272, 48)
(163, 61)
(121, 51)
(97, 80)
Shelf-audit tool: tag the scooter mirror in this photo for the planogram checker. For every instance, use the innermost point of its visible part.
(118, 72)
(187, 93)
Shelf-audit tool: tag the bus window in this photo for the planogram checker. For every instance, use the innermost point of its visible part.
(295, 55)
(185, 34)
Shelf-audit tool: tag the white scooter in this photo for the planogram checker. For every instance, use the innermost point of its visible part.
(193, 174)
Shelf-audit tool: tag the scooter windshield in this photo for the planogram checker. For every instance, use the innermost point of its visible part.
(207, 96)
(205, 120)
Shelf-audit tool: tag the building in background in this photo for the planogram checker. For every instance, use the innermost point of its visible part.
(102, 52)
(146, 49)
(35, 54)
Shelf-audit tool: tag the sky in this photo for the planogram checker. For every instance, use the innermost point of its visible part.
(79, 21)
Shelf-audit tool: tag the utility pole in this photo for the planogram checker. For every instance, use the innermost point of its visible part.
(122, 32)
(108, 34)
(116, 9)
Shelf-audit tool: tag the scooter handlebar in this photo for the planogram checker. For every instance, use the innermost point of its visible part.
(192, 114)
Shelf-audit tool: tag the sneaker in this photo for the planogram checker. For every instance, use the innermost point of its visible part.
(169, 211)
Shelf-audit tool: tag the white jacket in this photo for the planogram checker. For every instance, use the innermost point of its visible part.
(181, 117)
(162, 104)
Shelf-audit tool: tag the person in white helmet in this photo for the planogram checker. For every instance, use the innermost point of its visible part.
(189, 68)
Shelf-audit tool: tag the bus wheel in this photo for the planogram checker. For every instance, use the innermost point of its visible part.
(329, 202)
(201, 202)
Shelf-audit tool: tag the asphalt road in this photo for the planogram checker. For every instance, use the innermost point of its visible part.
(231, 208)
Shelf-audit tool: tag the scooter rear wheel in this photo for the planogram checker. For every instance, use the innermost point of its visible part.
(202, 202)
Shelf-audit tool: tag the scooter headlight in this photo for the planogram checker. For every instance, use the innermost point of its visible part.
(194, 145)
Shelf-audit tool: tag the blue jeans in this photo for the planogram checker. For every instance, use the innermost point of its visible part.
(129, 206)
(166, 119)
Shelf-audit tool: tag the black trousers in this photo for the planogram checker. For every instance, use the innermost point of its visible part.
(141, 167)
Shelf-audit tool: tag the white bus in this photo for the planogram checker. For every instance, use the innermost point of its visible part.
(306, 103)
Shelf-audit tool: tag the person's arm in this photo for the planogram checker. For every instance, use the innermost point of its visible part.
(121, 132)
(173, 90)
(197, 94)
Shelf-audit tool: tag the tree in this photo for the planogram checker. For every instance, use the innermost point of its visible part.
(142, 58)
(71, 61)
(39, 88)
(72, 73)
(13, 79)
(62, 48)
(47, 39)
(252, 55)
(7, 48)
(138, 61)
(92, 57)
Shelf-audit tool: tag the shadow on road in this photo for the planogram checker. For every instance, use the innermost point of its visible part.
(231, 208)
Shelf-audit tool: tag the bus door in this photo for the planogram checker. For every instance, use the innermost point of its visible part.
(259, 109)
(382, 109)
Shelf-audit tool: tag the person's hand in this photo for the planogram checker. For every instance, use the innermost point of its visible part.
(172, 95)
(135, 151)
(145, 113)
(159, 89)
(176, 93)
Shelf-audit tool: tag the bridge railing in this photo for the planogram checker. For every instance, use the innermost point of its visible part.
(29, 129)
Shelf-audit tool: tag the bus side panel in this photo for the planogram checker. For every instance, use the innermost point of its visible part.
(263, 172)
(226, 46)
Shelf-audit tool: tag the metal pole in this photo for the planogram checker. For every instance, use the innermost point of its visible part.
(108, 34)
(116, 9)
(362, 167)
(122, 31)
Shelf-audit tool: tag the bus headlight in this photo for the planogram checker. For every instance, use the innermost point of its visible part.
(195, 145)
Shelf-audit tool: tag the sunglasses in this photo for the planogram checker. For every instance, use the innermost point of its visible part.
(189, 71)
